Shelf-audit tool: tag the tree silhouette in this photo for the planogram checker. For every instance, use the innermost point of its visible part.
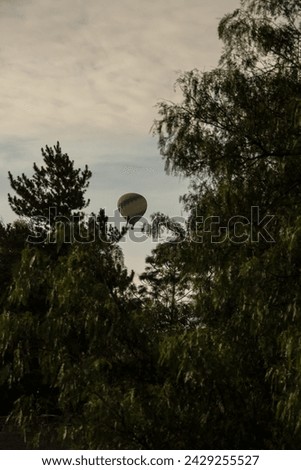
(57, 185)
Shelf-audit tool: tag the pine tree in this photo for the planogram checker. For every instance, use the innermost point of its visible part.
(57, 186)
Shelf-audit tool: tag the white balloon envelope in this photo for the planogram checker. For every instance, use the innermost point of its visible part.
(132, 207)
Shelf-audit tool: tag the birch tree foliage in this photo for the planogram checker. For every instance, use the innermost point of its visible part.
(236, 135)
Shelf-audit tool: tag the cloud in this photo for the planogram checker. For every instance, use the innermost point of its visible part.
(96, 66)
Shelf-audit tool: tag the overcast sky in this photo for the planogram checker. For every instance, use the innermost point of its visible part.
(89, 74)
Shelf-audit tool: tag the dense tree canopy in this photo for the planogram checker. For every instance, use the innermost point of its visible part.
(237, 135)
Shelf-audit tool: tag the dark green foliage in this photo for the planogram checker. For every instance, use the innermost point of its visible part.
(12, 241)
(56, 185)
(237, 135)
(206, 352)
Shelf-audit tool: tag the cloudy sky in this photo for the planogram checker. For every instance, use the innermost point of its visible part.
(89, 74)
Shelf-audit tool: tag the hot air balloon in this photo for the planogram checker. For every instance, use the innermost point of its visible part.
(132, 207)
